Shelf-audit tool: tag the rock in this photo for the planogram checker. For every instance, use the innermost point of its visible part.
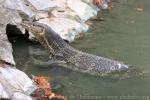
(67, 28)
(83, 10)
(19, 5)
(3, 93)
(15, 84)
(78, 11)
(72, 12)
(6, 48)
(47, 4)
(7, 16)
(44, 90)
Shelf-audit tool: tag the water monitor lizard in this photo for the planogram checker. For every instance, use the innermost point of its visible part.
(62, 52)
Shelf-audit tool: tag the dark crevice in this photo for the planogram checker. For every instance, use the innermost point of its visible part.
(14, 34)
(20, 43)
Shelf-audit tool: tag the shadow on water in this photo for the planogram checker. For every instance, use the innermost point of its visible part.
(123, 35)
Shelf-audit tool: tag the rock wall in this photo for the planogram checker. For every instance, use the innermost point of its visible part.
(7, 16)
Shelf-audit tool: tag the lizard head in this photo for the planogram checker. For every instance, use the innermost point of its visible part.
(34, 27)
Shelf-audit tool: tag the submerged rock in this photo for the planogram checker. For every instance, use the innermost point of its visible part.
(44, 91)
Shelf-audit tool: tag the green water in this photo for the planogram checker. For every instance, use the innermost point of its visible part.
(124, 36)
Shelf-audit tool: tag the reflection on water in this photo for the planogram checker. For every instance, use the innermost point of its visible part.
(123, 35)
